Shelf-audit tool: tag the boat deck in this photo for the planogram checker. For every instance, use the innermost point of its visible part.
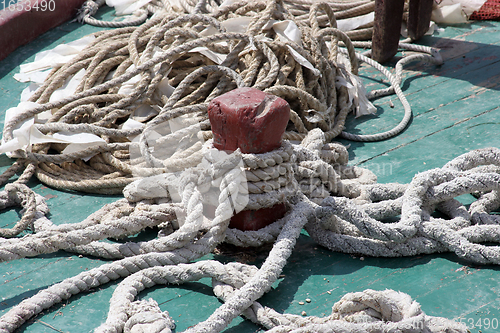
(456, 108)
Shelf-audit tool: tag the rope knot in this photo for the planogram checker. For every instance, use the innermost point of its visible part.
(387, 305)
(19, 194)
(146, 316)
(88, 9)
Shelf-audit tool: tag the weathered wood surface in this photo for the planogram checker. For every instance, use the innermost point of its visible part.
(456, 108)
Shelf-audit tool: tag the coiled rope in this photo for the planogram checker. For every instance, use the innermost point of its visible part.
(150, 67)
(156, 55)
(339, 223)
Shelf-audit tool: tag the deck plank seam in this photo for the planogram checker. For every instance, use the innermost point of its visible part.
(427, 135)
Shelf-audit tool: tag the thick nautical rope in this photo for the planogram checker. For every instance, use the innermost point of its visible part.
(347, 225)
(344, 225)
(157, 52)
(356, 227)
(270, 180)
(251, 283)
(348, 222)
(300, 10)
(32, 203)
(132, 50)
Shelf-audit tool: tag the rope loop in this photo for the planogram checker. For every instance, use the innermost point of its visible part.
(90, 8)
(142, 95)
(19, 194)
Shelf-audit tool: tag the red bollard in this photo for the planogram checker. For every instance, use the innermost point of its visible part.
(255, 122)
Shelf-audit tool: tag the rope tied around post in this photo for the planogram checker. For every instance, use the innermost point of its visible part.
(144, 94)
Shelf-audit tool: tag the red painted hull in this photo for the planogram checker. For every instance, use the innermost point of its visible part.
(20, 26)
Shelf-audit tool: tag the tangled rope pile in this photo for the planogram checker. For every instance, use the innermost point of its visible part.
(150, 77)
(129, 72)
(341, 224)
(299, 9)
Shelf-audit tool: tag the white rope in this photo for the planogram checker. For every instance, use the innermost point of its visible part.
(340, 224)
(340, 206)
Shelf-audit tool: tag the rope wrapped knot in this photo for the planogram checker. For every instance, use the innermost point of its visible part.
(144, 88)
(33, 205)
(369, 311)
(133, 80)
(146, 316)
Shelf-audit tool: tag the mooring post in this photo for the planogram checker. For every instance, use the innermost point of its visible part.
(419, 18)
(255, 122)
(387, 25)
(386, 29)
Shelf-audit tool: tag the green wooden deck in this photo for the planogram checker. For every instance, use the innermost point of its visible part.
(456, 109)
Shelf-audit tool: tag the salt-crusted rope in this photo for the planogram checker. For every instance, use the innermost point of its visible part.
(366, 311)
(20, 194)
(157, 53)
(417, 231)
(270, 181)
(304, 176)
(340, 224)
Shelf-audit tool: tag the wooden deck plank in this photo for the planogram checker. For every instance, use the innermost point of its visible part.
(401, 163)
(420, 78)
(444, 105)
(436, 134)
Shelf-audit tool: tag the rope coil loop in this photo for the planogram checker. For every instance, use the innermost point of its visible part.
(90, 8)
(143, 96)
(20, 194)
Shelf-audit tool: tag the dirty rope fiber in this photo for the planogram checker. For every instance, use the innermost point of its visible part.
(341, 207)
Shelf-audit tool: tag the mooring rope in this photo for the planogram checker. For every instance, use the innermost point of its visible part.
(265, 63)
(144, 88)
(90, 8)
